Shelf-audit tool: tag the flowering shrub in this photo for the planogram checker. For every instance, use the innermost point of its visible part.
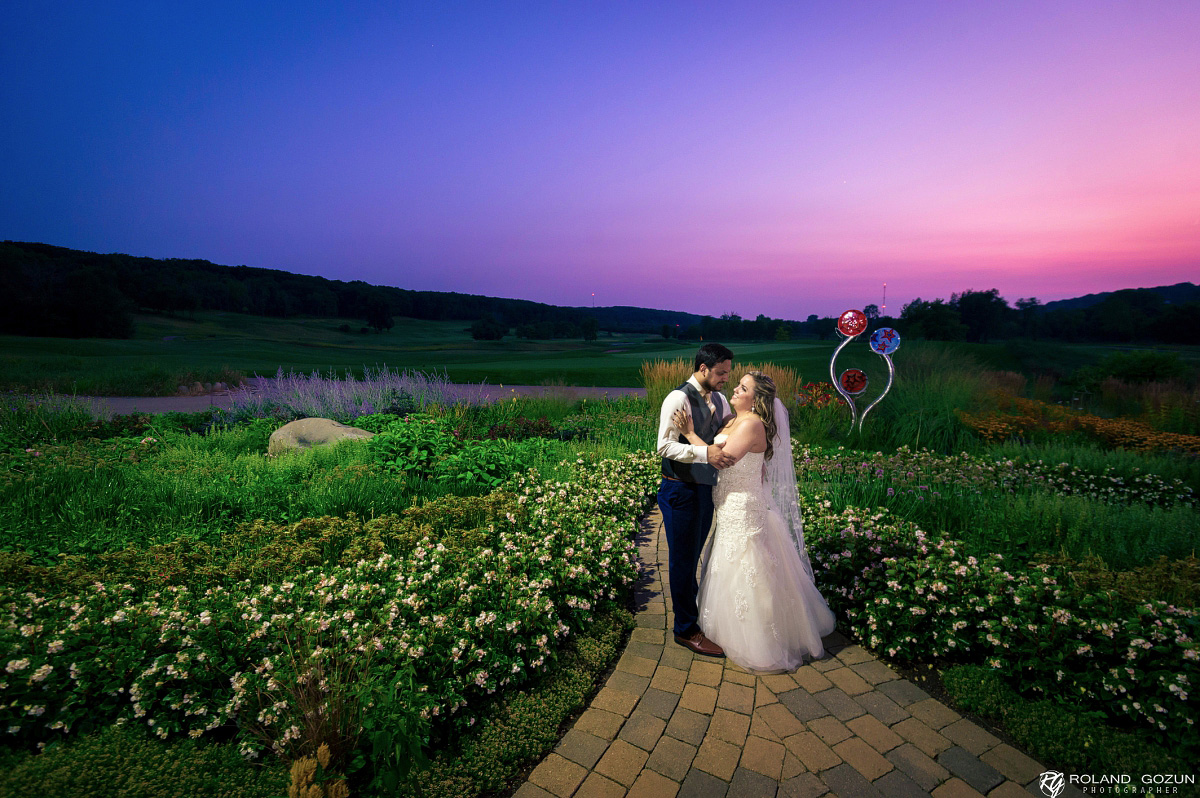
(185, 661)
(915, 597)
(925, 472)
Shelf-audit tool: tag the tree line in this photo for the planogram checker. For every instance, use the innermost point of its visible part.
(55, 291)
(1133, 315)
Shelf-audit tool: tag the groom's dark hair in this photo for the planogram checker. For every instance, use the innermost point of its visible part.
(710, 355)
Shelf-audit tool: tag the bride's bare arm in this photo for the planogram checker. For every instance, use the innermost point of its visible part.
(748, 435)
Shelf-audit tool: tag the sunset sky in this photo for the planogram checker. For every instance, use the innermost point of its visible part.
(781, 158)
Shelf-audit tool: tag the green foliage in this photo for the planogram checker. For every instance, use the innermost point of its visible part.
(1173, 581)
(413, 445)
(127, 761)
(1019, 508)
(395, 729)
(488, 463)
(27, 421)
(473, 614)
(920, 597)
(264, 550)
(420, 446)
(1071, 738)
(87, 498)
(488, 330)
(1133, 367)
(526, 725)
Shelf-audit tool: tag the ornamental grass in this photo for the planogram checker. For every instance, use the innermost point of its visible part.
(660, 377)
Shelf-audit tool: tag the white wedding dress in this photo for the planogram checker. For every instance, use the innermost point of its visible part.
(757, 600)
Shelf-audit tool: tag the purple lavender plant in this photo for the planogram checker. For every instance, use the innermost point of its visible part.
(345, 398)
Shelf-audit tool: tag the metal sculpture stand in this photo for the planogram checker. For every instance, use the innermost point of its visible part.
(853, 382)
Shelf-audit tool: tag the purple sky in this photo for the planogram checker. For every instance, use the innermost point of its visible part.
(784, 158)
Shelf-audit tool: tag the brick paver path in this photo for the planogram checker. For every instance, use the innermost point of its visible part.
(670, 724)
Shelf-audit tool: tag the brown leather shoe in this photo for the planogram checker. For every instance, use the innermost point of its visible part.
(701, 645)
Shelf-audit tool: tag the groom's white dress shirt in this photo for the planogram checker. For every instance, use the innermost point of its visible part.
(669, 445)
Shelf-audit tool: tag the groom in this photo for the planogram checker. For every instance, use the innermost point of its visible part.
(689, 473)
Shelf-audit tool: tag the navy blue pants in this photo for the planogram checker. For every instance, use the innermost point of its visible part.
(687, 511)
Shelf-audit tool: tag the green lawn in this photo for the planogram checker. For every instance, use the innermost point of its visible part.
(169, 351)
(212, 346)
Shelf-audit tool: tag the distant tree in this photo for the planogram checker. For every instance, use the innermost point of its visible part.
(488, 330)
(935, 321)
(871, 312)
(1127, 315)
(666, 331)
(589, 327)
(984, 313)
(566, 329)
(378, 316)
(783, 333)
(1028, 308)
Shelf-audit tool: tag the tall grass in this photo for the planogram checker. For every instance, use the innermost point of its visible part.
(1032, 525)
(70, 500)
(1167, 406)
(931, 380)
(28, 419)
(660, 377)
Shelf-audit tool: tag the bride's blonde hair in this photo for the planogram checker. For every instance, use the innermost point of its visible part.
(764, 406)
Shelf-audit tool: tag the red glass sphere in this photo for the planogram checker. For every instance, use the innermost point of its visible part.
(852, 322)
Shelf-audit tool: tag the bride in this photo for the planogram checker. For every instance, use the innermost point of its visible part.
(757, 599)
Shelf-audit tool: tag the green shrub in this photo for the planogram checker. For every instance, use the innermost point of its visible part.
(128, 762)
(1069, 737)
(919, 597)
(414, 445)
(473, 613)
(267, 550)
(527, 724)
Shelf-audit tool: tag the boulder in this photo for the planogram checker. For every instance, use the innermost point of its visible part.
(309, 432)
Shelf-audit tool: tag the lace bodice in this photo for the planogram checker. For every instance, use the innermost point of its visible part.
(744, 476)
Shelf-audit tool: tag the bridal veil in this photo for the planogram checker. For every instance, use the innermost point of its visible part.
(781, 481)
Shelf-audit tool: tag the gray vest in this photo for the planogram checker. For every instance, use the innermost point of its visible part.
(706, 425)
